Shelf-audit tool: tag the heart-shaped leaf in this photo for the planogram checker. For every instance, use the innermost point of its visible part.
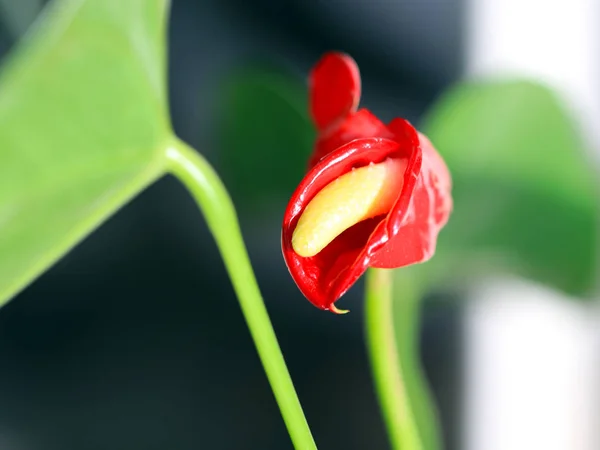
(525, 196)
(84, 125)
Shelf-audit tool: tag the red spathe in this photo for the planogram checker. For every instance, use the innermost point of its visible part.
(348, 138)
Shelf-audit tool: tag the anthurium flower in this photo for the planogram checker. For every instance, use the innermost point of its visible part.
(375, 195)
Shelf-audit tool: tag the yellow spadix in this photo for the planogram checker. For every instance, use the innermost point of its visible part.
(358, 195)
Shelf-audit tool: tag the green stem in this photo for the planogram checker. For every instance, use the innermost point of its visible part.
(408, 413)
(216, 205)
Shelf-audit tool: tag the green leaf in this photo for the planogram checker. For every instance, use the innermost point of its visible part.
(84, 125)
(266, 135)
(524, 193)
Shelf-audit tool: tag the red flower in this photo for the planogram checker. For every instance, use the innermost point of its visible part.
(415, 187)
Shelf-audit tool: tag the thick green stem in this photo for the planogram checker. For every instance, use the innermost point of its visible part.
(393, 348)
(216, 205)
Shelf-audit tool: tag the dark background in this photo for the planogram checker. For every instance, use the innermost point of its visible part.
(135, 339)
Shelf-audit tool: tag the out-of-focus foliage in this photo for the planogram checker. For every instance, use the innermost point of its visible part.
(525, 200)
(266, 135)
(84, 125)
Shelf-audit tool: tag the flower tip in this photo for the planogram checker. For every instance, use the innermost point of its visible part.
(334, 88)
(334, 309)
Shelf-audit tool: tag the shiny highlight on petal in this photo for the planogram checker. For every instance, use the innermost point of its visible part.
(360, 194)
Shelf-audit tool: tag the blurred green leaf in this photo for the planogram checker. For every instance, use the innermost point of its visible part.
(265, 134)
(84, 124)
(525, 196)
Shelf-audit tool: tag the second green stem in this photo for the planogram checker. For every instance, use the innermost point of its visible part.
(393, 348)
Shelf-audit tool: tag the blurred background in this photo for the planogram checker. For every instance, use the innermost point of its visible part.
(135, 339)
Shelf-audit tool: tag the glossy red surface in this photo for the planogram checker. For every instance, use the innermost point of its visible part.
(348, 138)
(334, 86)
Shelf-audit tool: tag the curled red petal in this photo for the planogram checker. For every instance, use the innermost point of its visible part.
(334, 85)
(326, 276)
(414, 223)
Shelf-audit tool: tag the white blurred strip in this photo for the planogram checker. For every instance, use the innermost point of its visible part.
(532, 370)
(557, 41)
(532, 359)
